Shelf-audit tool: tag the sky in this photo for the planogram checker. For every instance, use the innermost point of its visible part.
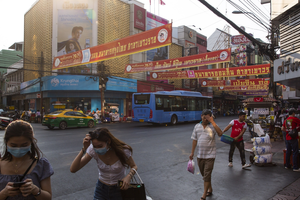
(180, 12)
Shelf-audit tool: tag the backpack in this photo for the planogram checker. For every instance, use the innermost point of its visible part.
(293, 133)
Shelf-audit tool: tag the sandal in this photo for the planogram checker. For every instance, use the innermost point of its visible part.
(208, 194)
(202, 198)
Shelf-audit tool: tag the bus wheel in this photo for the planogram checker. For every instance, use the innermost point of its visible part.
(174, 119)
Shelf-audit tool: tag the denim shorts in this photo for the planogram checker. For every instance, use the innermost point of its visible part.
(106, 192)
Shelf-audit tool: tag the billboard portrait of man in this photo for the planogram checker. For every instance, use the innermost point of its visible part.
(71, 45)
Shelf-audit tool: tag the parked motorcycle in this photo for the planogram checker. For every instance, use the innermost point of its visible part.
(4, 121)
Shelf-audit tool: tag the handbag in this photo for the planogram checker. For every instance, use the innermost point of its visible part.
(136, 190)
(293, 133)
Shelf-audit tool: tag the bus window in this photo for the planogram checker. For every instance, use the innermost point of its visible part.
(191, 104)
(142, 99)
(159, 103)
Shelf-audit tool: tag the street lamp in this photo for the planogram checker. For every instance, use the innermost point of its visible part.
(257, 19)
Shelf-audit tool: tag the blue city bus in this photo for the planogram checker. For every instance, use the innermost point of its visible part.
(169, 106)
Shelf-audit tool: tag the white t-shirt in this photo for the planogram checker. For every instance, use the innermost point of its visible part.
(205, 140)
(109, 174)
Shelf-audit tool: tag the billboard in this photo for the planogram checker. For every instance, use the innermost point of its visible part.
(74, 28)
(154, 21)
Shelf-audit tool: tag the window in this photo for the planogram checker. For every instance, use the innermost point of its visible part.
(142, 99)
(191, 104)
(159, 103)
(69, 114)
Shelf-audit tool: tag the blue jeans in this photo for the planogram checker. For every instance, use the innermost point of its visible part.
(292, 145)
(105, 192)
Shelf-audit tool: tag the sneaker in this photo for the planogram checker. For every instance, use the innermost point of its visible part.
(287, 168)
(230, 164)
(246, 165)
(296, 170)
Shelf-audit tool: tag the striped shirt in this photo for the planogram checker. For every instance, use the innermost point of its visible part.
(205, 140)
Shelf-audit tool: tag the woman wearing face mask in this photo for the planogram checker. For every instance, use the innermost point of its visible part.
(22, 162)
(112, 157)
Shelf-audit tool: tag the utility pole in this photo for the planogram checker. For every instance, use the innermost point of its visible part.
(41, 84)
(102, 82)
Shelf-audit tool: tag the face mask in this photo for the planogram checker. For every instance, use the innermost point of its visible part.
(18, 151)
(101, 151)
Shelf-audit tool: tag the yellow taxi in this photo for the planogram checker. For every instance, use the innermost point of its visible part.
(68, 118)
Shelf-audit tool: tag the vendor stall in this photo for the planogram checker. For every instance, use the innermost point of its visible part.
(260, 110)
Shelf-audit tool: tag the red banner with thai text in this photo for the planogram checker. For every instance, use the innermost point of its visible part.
(152, 39)
(247, 88)
(212, 73)
(197, 60)
(238, 82)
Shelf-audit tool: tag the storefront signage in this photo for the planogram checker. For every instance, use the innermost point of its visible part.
(239, 39)
(258, 99)
(243, 88)
(286, 68)
(239, 82)
(139, 18)
(154, 38)
(153, 86)
(121, 84)
(182, 62)
(261, 93)
(212, 73)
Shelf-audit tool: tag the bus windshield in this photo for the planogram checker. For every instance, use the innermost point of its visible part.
(141, 99)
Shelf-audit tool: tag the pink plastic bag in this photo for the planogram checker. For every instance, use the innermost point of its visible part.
(191, 166)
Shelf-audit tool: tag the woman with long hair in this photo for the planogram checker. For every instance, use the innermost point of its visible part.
(24, 173)
(112, 156)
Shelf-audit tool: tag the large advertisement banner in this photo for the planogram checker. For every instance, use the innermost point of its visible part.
(212, 73)
(74, 28)
(139, 18)
(238, 82)
(154, 21)
(158, 37)
(182, 62)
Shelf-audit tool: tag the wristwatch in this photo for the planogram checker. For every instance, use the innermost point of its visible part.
(38, 193)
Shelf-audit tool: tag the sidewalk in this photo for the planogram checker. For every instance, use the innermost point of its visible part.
(291, 191)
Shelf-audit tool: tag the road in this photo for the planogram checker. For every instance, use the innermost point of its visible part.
(161, 154)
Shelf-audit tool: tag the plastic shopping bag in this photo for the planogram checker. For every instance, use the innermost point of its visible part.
(191, 166)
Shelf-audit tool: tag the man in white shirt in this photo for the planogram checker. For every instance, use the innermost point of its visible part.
(203, 136)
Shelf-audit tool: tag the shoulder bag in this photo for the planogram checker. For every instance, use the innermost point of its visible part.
(136, 190)
(293, 133)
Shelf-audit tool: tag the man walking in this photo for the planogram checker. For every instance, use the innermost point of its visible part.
(203, 136)
(239, 127)
(291, 143)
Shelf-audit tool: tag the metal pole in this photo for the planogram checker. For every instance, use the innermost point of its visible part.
(41, 85)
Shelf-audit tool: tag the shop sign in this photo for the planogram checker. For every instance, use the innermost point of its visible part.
(38, 95)
(261, 93)
(212, 73)
(182, 62)
(121, 84)
(258, 99)
(287, 67)
(239, 39)
(238, 82)
(139, 18)
(244, 88)
(154, 38)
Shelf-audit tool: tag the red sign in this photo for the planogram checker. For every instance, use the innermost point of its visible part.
(182, 62)
(238, 82)
(139, 18)
(243, 88)
(212, 73)
(239, 39)
(258, 99)
(152, 39)
(153, 87)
